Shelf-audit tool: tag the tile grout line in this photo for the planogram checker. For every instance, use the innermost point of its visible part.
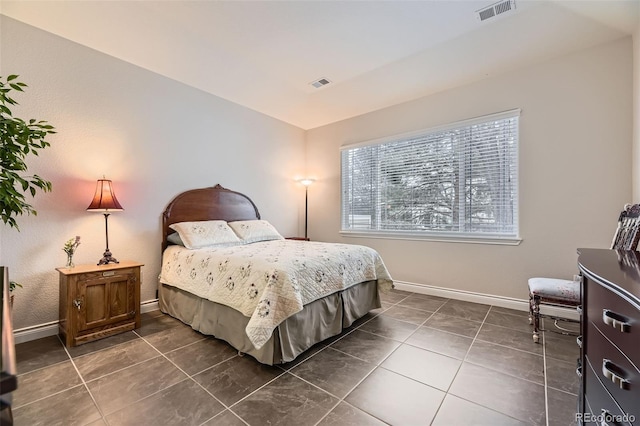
(458, 371)
(102, 415)
(460, 367)
(375, 366)
(411, 334)
(190, 377)
(544, 369)
(138, 363)
(475, 338)
(70, 359)
(355, 357)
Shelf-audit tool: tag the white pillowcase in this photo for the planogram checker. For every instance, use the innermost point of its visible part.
(205, 233)
(251, 231)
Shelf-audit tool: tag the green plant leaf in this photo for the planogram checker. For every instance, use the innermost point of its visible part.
(19, 140)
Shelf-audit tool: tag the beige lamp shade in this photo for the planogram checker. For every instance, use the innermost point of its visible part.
(104, 200)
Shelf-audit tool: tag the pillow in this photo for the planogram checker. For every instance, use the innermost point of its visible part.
(174, 238)
(205, 233)
(251, 231)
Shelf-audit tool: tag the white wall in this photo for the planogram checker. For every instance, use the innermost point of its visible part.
(152, 136)
(575, 170)
(156, 137)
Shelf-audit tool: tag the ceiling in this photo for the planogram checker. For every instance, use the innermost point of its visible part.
(265, 54)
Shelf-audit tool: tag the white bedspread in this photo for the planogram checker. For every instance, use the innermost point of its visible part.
(271, 280)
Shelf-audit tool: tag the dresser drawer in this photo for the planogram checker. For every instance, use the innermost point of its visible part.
(600, 405)
(618, 375)
(616, 318)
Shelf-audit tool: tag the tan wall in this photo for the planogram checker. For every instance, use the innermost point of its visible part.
(152, 136)
(575, 170)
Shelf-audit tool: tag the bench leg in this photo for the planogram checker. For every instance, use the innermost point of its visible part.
(534, 316)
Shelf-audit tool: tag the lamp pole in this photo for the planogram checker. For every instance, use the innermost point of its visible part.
(306, 209)
(306, 182)
(107, 257)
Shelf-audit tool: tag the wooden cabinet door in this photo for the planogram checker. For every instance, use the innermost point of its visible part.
(105, 300)
(121, 300)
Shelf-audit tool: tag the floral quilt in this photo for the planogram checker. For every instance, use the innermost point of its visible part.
(269, 281)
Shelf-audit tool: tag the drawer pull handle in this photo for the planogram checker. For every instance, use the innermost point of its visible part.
(612, 375)
(579, 341)
(608, 419)
(108, 273)
(616, 321)
(579, 368)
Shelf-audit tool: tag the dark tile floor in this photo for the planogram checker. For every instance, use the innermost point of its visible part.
(419, 360)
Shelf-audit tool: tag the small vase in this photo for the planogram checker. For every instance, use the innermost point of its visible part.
(70, 263)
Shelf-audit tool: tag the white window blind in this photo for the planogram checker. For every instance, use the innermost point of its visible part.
(458, 180)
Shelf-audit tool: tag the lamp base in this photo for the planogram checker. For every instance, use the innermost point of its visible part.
(107, 258)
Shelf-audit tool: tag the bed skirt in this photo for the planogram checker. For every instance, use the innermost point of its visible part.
(318, 321)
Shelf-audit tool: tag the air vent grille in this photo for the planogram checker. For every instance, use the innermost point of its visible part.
(486, 14)
(495, 9)
(320, 82)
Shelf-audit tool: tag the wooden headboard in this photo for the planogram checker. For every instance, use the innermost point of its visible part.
(214, 203)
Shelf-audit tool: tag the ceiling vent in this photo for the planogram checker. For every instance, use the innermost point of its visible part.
(495, 9)
(319, 83)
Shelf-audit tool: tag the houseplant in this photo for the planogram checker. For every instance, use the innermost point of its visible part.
(12, 286)
(20, 139)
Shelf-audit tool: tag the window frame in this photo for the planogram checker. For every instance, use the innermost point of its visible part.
(440, 236)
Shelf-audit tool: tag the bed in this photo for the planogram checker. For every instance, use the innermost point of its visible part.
(267, 296)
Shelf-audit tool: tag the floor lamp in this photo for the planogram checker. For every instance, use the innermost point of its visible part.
(306, 182)
(105, 201)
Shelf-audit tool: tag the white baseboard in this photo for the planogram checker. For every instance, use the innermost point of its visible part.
(149, 305)
(35, 332)
(487, 299)
(28, 334)
(51, 329)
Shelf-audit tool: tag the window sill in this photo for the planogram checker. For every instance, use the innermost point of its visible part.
(448, 238)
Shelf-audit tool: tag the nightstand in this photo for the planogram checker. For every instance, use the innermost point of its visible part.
(98, 301)
(297, 238)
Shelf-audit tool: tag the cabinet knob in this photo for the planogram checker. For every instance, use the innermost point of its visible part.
(77, 303)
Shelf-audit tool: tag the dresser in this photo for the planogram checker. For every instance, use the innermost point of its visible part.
(609, 362)
(98, 301)
(9, 373)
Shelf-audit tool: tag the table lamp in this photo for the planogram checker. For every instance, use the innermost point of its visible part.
(105, 201)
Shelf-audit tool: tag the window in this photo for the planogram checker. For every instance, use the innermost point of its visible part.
(453, 182)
